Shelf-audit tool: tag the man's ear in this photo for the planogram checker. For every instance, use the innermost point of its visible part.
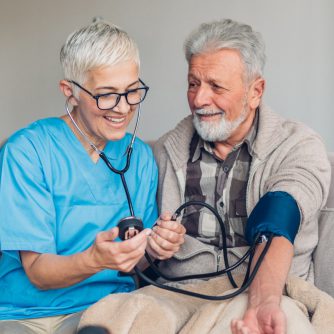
(67, 90)
(256, 91)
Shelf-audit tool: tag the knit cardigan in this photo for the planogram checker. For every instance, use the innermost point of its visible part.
(288, 157)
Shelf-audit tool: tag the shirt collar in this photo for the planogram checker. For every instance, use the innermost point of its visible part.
(200, 147)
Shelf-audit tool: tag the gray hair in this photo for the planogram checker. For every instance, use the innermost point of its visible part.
(229, 34)
(96, 45)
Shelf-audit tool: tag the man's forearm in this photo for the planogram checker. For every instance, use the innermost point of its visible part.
(269, 282)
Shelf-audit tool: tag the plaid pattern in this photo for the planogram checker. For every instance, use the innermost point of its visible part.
(222, 184)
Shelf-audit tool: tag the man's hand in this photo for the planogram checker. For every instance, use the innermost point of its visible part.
(266, 319)
(166, 238)
(264, 314)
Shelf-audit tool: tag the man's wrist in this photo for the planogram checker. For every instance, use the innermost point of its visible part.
(256, 300)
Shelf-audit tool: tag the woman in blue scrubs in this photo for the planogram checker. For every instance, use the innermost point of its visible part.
(60, 203)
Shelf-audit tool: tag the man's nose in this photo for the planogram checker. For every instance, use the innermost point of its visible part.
(203, 97)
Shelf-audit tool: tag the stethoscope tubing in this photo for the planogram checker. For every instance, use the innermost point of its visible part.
(249, 277)
(128, 152)
(244, 286)
(222, 229)
(200, 276)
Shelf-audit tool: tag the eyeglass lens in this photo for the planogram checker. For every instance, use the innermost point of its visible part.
(109, 101)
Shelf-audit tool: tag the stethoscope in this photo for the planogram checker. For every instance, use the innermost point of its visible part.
(249, 276)
(131, 225)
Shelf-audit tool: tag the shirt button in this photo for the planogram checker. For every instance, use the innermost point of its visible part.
(225, 169)
(221, 204)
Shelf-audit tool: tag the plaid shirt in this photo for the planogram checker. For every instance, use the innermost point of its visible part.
(222, 184)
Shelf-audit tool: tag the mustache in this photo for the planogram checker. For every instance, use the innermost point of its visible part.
(209, 112)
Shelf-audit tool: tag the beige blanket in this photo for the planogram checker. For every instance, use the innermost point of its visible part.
(151, 310)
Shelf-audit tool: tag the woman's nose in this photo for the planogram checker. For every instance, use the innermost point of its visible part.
(122, 106)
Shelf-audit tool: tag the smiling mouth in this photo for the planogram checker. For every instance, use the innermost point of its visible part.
(209, 116)
(208, 113)
(115, 120)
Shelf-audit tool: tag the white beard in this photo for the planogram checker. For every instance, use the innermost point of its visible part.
(218, 130)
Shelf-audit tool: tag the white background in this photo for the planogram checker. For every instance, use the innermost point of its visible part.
(299, 36)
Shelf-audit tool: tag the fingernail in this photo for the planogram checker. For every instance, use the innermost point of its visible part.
(148, 231)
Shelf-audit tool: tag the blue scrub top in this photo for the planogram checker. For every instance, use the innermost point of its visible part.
(55, 199)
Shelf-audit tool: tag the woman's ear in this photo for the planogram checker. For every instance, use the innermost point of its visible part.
(256, 92)
(67, 90)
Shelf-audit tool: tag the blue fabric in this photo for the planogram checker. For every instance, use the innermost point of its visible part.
(55, 199)
(276, 212)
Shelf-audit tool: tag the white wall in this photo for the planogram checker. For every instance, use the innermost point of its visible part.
(298, 35)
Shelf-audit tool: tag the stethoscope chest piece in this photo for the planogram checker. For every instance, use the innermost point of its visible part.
(129, 227)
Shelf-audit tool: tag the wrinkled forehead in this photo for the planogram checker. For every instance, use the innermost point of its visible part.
(222, 64)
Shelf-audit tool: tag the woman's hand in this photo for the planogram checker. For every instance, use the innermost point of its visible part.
(122, 256)
(52, 271)
(166, 238)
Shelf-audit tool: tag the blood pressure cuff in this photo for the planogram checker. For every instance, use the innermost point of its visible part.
(276, 212)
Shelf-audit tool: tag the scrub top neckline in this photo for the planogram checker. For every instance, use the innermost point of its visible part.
(112, 149)
(91, 171)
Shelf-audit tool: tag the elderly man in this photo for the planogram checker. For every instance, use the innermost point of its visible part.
(237, 155)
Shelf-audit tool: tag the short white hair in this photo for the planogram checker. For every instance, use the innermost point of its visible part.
(229, 34)
(96, 45)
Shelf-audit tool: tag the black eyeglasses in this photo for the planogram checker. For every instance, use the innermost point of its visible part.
(110, 100)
